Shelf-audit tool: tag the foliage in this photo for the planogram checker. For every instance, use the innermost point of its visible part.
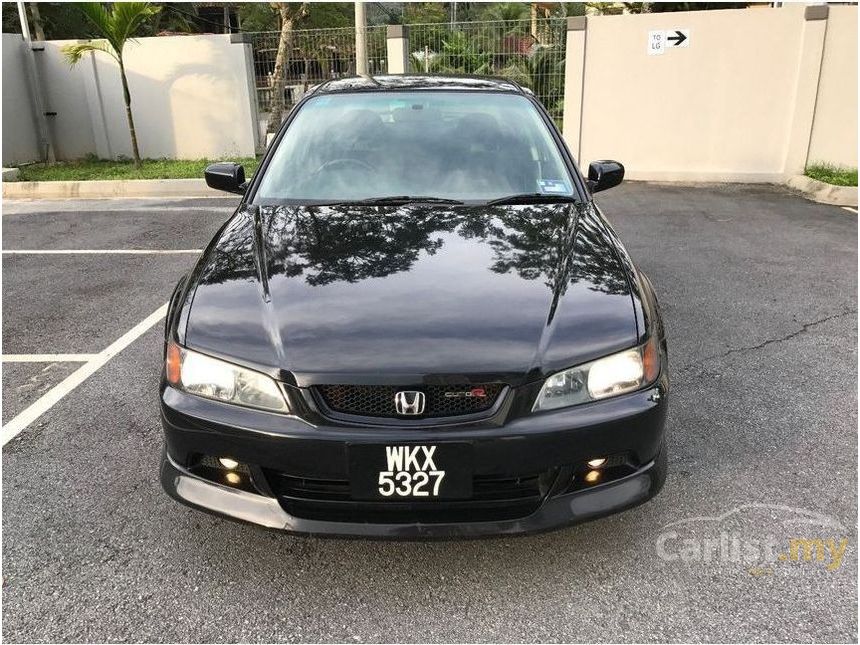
(665, 7)
(612, 8)
(257, 16)
(572, 9)
(92, 168)
(326, 15)
(425, 13)
(636, 7)
(604, 8)
(461, 54)
(832, 174)
(115, 27)
(59, 20)
(177, 17)
(506, 11)
(506, 51)
(415, 13)
(542, 72)
(65, 20)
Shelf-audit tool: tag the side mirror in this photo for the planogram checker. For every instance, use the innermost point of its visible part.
(604, 174)
(226, 176)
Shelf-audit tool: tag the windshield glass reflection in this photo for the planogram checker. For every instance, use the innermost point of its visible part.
(455, 145)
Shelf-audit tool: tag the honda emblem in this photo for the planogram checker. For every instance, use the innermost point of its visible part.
(409, 402)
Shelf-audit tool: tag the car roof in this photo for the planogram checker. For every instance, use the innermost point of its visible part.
(395, 82)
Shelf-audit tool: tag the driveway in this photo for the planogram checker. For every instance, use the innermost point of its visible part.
(759, 292)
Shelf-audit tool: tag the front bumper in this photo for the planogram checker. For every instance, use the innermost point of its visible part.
(550, 443)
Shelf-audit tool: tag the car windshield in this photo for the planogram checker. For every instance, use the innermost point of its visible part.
(464, 146)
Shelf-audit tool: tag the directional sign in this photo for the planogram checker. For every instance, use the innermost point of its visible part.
(656, 42)
(678, 38)
(661, 40)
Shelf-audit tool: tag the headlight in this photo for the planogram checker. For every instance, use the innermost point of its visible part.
(215, 379)
(609, 376)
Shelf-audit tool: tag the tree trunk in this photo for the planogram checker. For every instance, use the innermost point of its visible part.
(279, 76)
(127, 96)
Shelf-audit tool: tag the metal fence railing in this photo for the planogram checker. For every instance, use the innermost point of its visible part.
(528, 52)
(315, 55)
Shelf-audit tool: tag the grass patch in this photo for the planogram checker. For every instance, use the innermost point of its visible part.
(89, 169)
(830, 174)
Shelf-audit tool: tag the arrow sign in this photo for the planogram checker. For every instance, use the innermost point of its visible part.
(680, 38)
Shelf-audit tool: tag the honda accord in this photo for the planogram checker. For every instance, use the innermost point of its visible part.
(417, 323)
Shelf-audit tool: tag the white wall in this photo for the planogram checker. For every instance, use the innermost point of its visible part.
(736, 104)
(191, 98)
(64, 91)
(20, 139)
(834, 131)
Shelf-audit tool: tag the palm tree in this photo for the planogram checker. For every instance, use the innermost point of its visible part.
(116, 26)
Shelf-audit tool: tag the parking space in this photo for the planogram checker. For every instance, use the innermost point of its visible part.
(758, 288)
(113, 224)
(25, 382)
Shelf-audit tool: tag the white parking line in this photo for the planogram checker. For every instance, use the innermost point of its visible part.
(100, 251)
(848, 208)
(47, 358)
(52, 396)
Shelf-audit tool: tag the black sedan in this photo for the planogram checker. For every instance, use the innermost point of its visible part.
(416, 324)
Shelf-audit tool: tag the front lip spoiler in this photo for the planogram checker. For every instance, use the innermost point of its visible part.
(556, 512)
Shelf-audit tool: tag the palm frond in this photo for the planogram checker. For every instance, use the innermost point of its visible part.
(100, 19)
(128, 16)
(118, 24)
(74, 53)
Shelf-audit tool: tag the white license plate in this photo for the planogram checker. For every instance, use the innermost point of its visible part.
(411, 471)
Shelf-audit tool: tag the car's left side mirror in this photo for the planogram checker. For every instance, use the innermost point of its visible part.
(604, 174)
(227, 176)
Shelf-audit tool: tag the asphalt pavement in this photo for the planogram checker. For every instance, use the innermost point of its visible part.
(759, 291)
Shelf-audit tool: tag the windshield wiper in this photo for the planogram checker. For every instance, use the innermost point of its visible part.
(532, 198)
(394, 199)
(408, 199)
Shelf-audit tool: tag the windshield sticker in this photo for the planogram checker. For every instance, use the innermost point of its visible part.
(553, 186)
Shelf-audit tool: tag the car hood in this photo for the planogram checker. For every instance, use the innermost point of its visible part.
(411, 294)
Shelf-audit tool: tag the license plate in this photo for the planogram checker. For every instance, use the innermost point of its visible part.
(413, 472)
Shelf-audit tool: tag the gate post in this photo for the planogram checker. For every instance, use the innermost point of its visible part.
(808, 77)
(247, 43)
(574, 83)
(397, 49)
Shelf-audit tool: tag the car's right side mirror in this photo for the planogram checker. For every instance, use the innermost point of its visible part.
(227, 176)
(604, 174)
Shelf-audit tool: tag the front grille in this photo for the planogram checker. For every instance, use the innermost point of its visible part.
(378, 400)
(493, 499)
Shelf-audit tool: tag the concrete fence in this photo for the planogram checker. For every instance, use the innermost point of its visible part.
(746, 95)
(751, 95)
(192, 97)
(727, 95)
(20, 129)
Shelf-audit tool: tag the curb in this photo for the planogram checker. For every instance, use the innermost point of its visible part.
(191, 188)
(111, 188)
(823, 193)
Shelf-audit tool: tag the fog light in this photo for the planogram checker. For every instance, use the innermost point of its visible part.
(232, 478)
(592, 476)
(230, 464)
(596, 463)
